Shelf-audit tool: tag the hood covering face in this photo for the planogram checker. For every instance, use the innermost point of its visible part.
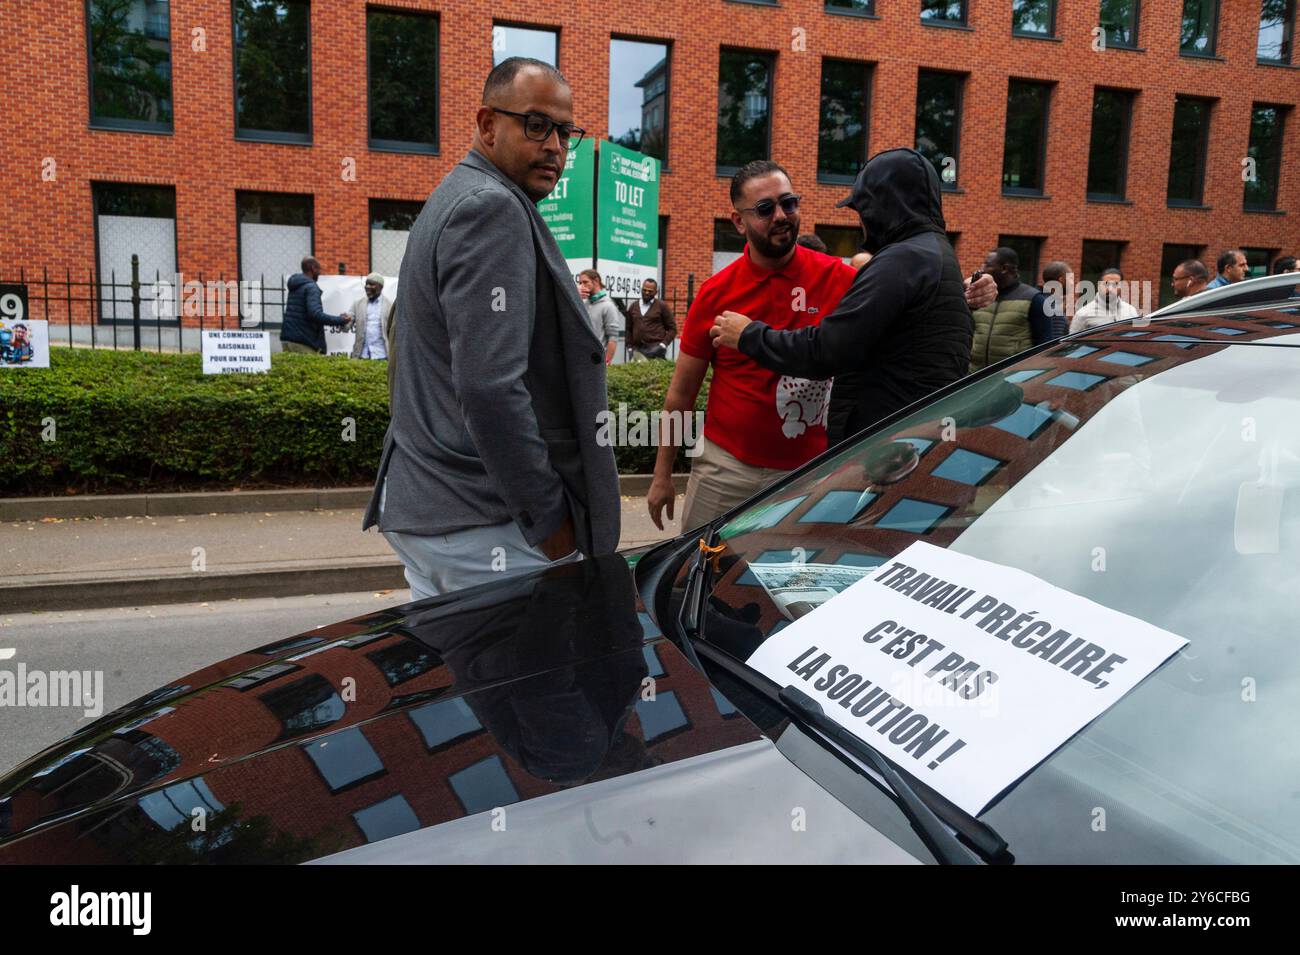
(897, 195)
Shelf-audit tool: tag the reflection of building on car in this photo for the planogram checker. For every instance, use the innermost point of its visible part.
(1151, 468)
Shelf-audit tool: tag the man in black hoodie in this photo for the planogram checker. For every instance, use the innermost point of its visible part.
(304, 318)
(903, 329)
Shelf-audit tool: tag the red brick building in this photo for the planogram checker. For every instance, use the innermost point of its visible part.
(223, 184)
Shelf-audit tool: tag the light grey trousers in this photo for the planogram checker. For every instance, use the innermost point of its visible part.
(441, 563)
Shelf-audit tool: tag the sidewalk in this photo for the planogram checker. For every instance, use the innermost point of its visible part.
(71, 563)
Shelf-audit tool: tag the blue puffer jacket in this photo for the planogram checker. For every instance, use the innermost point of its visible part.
(304, 319)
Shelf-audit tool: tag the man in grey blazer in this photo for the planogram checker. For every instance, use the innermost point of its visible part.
(491, 464)
(370, 313)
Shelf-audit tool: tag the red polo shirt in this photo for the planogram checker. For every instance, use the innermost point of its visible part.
(762, 417)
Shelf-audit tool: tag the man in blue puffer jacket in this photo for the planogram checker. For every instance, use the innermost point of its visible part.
(304, 319)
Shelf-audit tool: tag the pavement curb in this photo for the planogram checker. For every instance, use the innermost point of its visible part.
(227, 502)
(82, 594)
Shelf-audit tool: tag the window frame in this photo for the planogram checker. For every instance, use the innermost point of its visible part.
(1202, 154)
(1290, 41)
(1047, 87)
(253, 135)
(1213, 52)
(1033, 35)
(400, 145)
(96, 187)
(841, 10)
(961, 24)
(868, 67)
(1284, 114)
(668, 89)
(1135, 19)
(239, 250)
(522, 25)
(1039, 241)
(1127, 138)
(111, 124)
(955, 185)
(728, 171)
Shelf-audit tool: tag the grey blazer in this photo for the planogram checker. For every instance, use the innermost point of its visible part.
(497, 396)
(359, 314)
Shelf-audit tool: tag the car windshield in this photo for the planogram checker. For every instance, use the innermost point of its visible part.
(1154, 476)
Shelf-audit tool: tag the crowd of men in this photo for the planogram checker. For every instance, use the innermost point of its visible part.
(493, 461)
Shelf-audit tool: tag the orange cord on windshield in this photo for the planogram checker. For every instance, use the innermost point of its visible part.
(714, 552)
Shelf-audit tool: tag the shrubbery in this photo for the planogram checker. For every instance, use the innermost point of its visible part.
(134, 421)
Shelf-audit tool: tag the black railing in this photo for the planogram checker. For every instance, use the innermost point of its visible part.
(157, 313)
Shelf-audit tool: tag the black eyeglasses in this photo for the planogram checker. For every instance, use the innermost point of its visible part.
(764, 208)
(538, 127)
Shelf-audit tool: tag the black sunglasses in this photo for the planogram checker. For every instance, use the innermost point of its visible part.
(764, 208)
(538, 127)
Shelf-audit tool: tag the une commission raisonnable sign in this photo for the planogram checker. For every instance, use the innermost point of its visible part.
(964, 672)
(236, 352)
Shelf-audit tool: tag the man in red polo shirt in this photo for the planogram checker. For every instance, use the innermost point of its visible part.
(759, 424)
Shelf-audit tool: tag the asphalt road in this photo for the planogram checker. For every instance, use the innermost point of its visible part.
(139, 649)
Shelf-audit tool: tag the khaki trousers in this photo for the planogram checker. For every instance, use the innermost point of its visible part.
(718, 482)
(298, 347)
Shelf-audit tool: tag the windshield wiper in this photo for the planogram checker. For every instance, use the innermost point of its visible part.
(933, 819)
(946, 845)
(695, 596)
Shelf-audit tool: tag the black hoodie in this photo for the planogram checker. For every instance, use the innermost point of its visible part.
(902, 330)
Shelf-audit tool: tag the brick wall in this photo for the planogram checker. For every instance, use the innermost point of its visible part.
(49, 223)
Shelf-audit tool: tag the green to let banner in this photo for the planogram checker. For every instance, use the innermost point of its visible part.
(567, 210)
(627, 219)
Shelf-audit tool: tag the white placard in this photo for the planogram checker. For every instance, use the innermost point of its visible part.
(964, 672)
(236, 352)
(24, 343)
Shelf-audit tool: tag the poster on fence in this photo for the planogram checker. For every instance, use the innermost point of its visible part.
(227, 352)
(23, 343)
(347, 293)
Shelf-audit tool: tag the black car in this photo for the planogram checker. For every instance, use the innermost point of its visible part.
(603, 711)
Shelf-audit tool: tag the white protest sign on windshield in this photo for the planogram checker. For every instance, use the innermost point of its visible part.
(965, 673)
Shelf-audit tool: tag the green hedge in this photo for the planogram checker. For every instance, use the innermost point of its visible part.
(135, 421)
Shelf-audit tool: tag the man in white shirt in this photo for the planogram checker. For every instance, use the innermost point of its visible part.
(1106, 306)
(371, 315)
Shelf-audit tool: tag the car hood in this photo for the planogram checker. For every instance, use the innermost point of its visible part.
(376, 727)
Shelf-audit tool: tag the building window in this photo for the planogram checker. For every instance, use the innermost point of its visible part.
(130, 64)
(402, 73)
(860, 7)
(483, 785)
(845, 119)
(1276, 31)
(1258, 261)
(943, 11)
(843, 241)
(1025, 146)
(744, 108)
(661, 716)
(1112, 114)
(1097, 257)
(133, 220)
(1027, 249)
(391, 817)
(390, 228)
(1119, 18)
(1187, 153)
(1200, 33)
(1265, 150)
(539, 43)
(305, 705)
(938, 122)
(1033, 17)
(728, 244)
(273, 70)
(1171, 256)
(275, 232)
(638, 96)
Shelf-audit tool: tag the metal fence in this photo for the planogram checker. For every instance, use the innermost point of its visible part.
(131, 312)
